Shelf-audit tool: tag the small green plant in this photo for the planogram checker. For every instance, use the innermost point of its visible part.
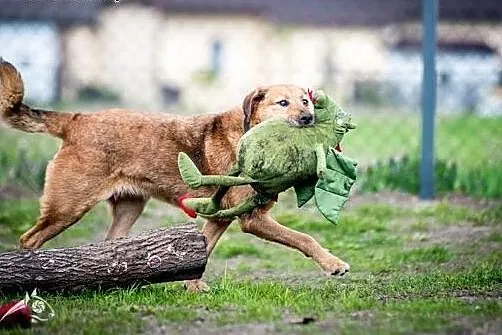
(482, 182)
(403, 174)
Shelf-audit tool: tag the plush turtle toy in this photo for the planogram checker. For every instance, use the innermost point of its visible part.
(276, 155)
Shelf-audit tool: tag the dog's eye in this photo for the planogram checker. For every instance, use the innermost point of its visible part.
(283, 103)
(305, 102)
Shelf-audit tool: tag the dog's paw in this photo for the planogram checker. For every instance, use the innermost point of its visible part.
(196, 286)
(338, 269)
(28, 242)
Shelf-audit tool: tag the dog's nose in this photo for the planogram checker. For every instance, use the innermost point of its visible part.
(306, 119)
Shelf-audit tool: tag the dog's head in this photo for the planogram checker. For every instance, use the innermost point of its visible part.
(289, 102)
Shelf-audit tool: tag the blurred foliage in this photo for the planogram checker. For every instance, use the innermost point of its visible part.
(404, 174)
(468, 155)
(18, 215)
(24, 157)
(92, 93)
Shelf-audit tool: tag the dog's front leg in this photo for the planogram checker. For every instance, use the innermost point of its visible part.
(264, 226)
(212, 230)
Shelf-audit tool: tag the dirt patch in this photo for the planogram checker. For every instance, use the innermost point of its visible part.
(200, 327)
(465, 201)
(467, 296)
(468, 326)
(387, 197)
(406, 200)
(459, 234)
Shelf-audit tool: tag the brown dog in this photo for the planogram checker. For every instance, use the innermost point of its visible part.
(126, 158)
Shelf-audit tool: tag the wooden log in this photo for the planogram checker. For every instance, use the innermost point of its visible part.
(157, 256)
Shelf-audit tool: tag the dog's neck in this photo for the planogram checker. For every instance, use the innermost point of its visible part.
(221, 132)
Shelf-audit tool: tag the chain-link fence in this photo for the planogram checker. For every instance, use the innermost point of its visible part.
(198, 56)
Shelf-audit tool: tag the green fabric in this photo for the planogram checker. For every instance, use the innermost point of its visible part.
(202, 205)
(189, 171)
(305, 191)
(276, 155)
(332, 190)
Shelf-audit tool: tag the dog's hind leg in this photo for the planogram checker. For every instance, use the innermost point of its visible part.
(69, 193)
(125, 212)
(212, 230)
(57, 214)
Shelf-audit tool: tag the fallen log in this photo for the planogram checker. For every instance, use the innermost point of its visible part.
(157, 256)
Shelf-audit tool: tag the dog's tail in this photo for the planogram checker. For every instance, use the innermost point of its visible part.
(20, 116)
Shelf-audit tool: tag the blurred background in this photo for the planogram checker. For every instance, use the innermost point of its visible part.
(199, 56)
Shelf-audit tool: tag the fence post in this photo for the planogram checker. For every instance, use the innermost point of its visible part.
(429, 21)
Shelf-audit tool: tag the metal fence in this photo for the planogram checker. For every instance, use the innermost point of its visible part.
(191, 57)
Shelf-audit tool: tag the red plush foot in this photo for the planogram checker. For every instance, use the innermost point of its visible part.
(188, 211)
(338, 148)
(15, 313)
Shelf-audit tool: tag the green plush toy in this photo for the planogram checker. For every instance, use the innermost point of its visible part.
(276, 155)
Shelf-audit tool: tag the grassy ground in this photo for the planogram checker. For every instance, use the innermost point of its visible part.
(416, 267)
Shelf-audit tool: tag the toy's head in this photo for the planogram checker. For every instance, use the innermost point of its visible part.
(328, 111)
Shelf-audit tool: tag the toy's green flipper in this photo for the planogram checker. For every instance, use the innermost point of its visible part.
(245, 206)
(332, 191)
(305, 191)
(205, 206)
(189, 171)
(192, 176)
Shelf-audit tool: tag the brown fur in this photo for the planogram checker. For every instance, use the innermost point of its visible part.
(126, 158)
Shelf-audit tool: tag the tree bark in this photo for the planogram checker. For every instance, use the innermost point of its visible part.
(157, 256)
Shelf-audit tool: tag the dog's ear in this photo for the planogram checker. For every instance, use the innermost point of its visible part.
(250, 103)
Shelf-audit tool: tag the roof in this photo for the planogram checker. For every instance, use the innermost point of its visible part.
(211, 6)
(61, 11)
(312, 12)
(379, 12)
(339, 12)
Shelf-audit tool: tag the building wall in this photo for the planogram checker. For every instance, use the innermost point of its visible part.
(135, 51)
(82, 62)
(185, 57)
(33, 47)
(138, 51)
(118, 53)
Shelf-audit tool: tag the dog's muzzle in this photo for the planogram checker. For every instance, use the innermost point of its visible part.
(305, 119)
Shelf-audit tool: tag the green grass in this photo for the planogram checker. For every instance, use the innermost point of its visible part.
(434, 254)
(232, 250)
(468, 158)
(399, 284)
(429, 302)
